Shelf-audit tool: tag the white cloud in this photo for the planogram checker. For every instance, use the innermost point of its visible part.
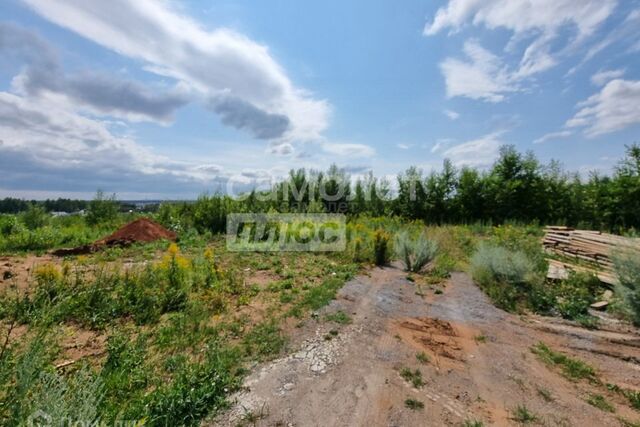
(553, 135)
(404, 146)
(348, 150)
(210, 63)
(615, 107)
(604, 76)
(535, 23)
(45, 145)
(480, 152)
(525, 18)
(453, 115)
(483, 77)
(441, 144)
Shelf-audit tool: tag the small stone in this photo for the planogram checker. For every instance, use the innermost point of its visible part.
(600, 305)
(288, 386)
(607, 295)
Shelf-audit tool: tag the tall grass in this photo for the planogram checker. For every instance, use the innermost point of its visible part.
(415, 253)
(627, 268)
(505, 275)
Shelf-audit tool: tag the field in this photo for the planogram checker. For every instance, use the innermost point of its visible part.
(166, 333)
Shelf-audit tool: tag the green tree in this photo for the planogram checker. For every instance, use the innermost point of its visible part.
(102, 209)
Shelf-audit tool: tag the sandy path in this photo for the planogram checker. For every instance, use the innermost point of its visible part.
(352, 379)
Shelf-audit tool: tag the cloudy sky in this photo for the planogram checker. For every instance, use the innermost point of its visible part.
(170, 99)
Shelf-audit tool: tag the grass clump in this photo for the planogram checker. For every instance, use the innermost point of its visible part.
(339, 317)
(423, 357)
(627, 268)
(573, 369)
(600, 402)
(415, 253)
(505, 275)
(381, 251)
(545, 394)
(413, 404)
(521, 414)
(414, 377)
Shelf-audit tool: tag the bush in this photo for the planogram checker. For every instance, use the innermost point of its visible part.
(8, 225)
(35, 217)
(102, 209)
(415, 253)
(381, 247)
(627, 267)
(505, 275)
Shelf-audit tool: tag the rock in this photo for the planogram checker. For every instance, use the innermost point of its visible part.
(600, 305)
(288, 386)
(607, 295)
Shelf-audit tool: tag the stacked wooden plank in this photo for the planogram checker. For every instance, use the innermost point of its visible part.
(592, 248)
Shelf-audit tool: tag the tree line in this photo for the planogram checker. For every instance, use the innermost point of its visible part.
(518, 187)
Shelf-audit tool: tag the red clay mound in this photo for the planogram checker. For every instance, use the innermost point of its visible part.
(142, 230)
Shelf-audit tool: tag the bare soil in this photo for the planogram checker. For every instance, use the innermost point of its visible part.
(142, 230)
(480, 364)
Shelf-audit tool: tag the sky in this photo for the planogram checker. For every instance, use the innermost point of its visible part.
(168, 99)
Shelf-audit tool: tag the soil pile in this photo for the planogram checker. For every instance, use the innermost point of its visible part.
(143, 230)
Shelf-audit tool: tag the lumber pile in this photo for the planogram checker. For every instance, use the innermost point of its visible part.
(592, 248)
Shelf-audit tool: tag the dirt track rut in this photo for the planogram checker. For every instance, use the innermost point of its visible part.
(480, 367)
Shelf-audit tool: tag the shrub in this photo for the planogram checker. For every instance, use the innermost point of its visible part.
(8, 225)
(505, 275)
(415, 253)
(102, 209)
(627, 267)
(381, 247)
(35, 217)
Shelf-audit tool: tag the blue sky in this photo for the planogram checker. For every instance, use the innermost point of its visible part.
(169, 99)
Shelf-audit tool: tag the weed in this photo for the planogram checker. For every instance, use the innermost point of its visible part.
(627, 268)
(414, 377)
(415, 253)
(381, 247)
(264, 340)
(600, 402)
(480, 338)
(521, 414)
(472, 423)
(413, 404)
(339, 317)
(545, 394)
(423, 357)
(322, 295)
(571, 368)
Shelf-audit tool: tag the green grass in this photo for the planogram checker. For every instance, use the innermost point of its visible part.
(571, 368)
(423, 357)
(600, 402)
(472, 423)
(480, 338)
(413, 404)
(339, 317)
(521, 414)
(545, 394)
(414, 377)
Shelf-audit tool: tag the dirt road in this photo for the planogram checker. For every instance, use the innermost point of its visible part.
(480, 364)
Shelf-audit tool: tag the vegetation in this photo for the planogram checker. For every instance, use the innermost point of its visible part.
(413, 404)
(571, 368)
(415, 253)
(180, 322)
(600, 402)
(521, 414)
(414, 377)
(627, 267)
